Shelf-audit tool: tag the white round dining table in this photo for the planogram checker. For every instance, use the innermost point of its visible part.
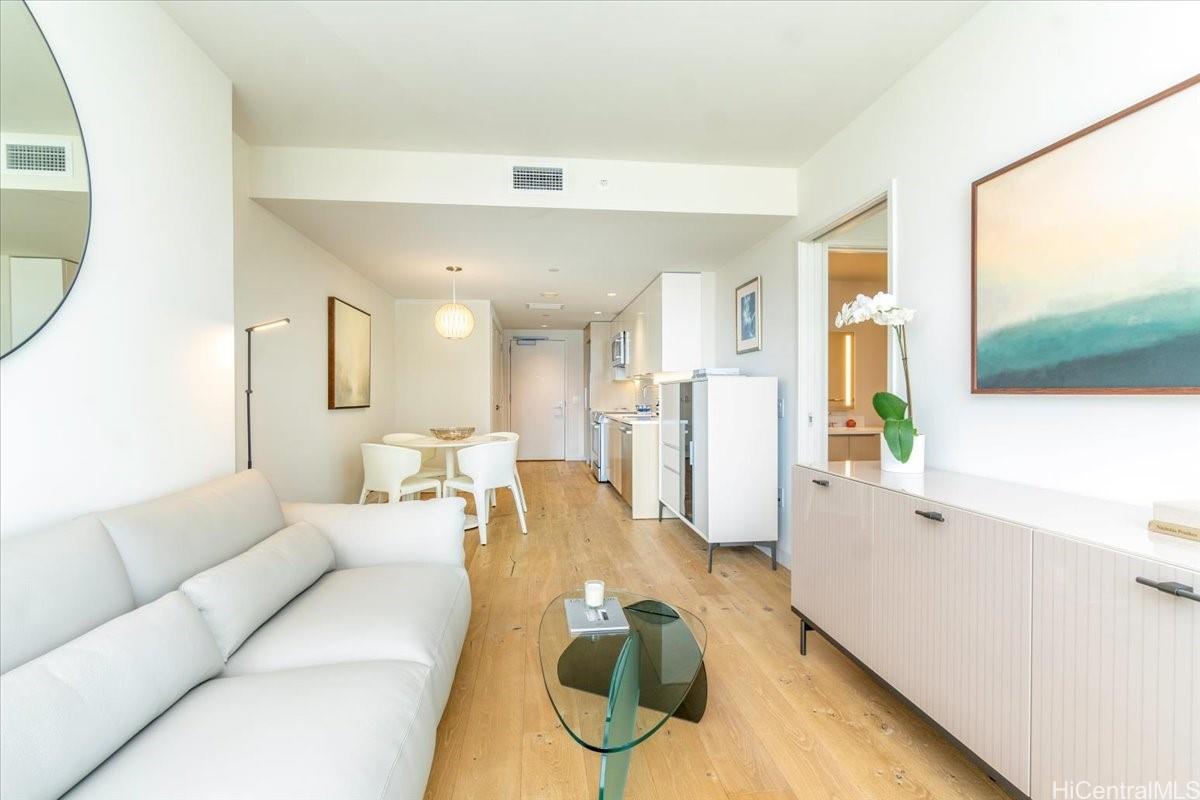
(449, 447)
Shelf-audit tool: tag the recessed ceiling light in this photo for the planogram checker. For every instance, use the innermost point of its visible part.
(545, 326)
(554, 269)
(549, 295)
(612, 294)
(597, 312)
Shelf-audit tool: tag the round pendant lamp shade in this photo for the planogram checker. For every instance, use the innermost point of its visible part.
(454, 320)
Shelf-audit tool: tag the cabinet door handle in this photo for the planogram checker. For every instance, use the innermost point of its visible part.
(820, 482)
(936, 516)
(1171, 587)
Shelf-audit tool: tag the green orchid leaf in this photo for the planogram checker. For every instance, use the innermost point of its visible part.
(888, 405)
(898, 433)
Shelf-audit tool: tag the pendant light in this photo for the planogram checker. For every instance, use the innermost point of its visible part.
(454, 320)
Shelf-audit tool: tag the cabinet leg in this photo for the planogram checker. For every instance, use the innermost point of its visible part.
(660, 507)
(774, 556)
(710, 552)
(803, 636)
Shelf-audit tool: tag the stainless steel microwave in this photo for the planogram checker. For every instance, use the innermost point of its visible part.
(620, 349)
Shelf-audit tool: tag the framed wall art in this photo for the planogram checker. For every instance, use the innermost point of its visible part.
(748, 316)
(1085, 259)
(349, 355)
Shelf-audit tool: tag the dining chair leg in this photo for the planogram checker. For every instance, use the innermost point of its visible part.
(520, 490)
(512, 487)
(494, 495)
(481, 513)
(362, 498)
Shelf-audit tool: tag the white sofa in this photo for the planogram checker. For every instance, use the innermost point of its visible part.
(215, 644)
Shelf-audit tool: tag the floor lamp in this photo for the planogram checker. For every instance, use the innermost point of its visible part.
(262, 326)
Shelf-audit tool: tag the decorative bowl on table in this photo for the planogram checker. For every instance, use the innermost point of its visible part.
(452, 434)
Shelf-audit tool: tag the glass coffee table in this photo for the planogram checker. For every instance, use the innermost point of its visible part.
(613, 691)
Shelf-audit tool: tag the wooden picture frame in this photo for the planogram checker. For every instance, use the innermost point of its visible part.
(1027, 217)
(349, 357)
(748, 316)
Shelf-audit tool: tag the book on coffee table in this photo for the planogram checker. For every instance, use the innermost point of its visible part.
(584, 620)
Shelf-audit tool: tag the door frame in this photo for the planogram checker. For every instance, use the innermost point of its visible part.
(812, 327)
(512, 342)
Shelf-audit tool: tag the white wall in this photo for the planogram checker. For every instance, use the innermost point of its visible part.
(1014, 78)
(470, 179)
(126, 394)
(308, 451)
(956, 117)
(442, 382)
(578, 444)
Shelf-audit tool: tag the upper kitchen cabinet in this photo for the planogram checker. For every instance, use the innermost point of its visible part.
(663, 326)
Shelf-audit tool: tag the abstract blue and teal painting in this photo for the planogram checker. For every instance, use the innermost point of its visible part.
(1087, 259)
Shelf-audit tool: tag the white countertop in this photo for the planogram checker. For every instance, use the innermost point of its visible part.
(1117, 526)
(634, 419)
(857, 430)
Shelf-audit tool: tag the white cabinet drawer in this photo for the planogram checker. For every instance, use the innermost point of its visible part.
(1116, 681)
(670, 488)
(951, 610)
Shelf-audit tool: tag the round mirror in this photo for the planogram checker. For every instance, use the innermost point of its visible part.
(44, 189)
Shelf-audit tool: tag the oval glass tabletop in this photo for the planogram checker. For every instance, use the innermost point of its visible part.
(612, 691)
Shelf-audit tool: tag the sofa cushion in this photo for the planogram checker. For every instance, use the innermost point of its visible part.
(66, 711)
(164, 542)
(387, 533)
(56, 584)
(354, 731)
(238, 595)
(407, 612)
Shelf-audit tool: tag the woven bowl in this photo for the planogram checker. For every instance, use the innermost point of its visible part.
(451, 434)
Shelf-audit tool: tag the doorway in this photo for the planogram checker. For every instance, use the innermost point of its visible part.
(840, 370)
(538, 391)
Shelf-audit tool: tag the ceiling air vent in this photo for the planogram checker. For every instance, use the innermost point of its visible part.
(538, 179)
(41, 158)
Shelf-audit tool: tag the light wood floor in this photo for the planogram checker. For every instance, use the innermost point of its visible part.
(778, 726)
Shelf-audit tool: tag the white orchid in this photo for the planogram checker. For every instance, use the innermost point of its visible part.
(882, 309)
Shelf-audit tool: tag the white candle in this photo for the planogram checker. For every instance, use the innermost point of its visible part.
(593, 593)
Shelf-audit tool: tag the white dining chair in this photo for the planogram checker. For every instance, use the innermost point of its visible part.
(513, 437)
(431, 465)
(486, 467)
(391, 469)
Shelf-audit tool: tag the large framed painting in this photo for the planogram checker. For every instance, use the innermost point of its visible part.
(747, 300)
(1085, 259)
(349, 355)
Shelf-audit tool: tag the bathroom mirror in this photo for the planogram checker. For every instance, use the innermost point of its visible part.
(44, 189)
(841, 370)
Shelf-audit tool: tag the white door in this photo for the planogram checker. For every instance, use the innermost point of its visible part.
(539, 392)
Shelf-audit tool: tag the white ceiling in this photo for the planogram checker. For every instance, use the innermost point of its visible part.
(507, 253)
(754, 83)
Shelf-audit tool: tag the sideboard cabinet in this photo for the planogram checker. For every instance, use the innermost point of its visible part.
(1010, 616)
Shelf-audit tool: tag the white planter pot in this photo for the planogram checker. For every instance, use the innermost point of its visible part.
(916, 460)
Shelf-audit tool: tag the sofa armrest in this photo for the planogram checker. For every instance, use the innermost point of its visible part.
(387, 533)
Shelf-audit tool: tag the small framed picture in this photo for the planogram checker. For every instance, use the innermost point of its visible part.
(747, 300)
(349, 355)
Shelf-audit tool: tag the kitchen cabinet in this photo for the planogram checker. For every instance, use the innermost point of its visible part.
(1012, 617)
(612, 454)
(664, 326)
(1116, 682)
(633, 449)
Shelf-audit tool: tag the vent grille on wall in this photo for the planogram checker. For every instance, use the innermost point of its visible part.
(540, 179)
(37, 158)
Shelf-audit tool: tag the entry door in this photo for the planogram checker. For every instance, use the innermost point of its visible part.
(539, 389)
